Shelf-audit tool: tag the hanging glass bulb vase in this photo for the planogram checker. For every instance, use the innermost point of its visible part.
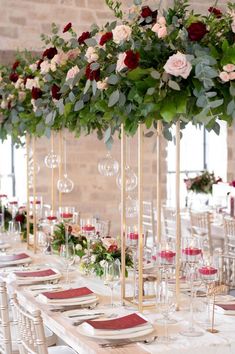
(65, 184)
(108, 166)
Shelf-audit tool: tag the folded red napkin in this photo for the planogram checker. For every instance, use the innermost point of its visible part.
(67, 294)
(38, 273)
(120, 323)
(13, 257)
(227, 307)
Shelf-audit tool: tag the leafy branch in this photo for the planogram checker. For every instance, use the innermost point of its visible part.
(115, 6)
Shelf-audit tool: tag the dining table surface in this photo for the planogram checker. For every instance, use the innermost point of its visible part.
(222, 342)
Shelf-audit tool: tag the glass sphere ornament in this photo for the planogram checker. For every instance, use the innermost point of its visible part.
(31, 167)
(52, 160)
(131, 179)
(65, 184)
(108, 166)
(131, 207)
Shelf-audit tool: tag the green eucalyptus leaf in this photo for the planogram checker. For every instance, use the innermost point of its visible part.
(150, 91)
(78, 105)
(174, 85)
(87, 86)
(216, 103)
(230, 107)
(91, 42)
(113, 79)
(114, 98)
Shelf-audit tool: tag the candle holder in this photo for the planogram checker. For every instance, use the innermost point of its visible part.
(191, 257)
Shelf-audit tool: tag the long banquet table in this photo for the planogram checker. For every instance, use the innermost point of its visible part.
(220, 343)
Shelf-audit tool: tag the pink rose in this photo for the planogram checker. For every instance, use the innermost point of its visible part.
(156, 27)
(224, 76)
(162, 32)
(121, 33)
(229, 68)
(162, 21)
(178, 65)
(232, 76)
(109, 241)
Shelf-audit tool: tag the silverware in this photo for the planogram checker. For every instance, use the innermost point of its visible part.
(86, 315)
(77, 307)
(128, 342)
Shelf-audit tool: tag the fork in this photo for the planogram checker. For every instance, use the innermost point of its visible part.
(128, 342)
(64, 309)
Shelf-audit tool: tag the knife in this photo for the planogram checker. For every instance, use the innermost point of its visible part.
(87, 315)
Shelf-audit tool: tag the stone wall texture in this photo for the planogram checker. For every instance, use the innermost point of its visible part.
(21, 23)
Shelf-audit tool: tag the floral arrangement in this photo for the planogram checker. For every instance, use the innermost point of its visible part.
(149, 65)
(202, 183)
(74, 236)
(102, 251)
(21, 216)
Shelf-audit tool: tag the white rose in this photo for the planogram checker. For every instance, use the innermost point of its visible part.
(120, 62)
(178, 65)
(10, 98)
(45, 67)
(224, 76)
(91, 54)
(102, 85)
(19, 83)
(93, 258)
(4, 104)
(121, 33)
(78, 247)
(21, 96)
(59, 59)
(30, 83)
(33, 67)
(33, 104)
(229, 68)
(72, 72)
(103, 263)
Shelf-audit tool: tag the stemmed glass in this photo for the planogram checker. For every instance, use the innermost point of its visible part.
(14, 229)
(166, 305)
(67, 252)
(132, 243)
(209, 274)
(13, 207)
(191, 257)
(42, 240)
(112, 274)
(89, 230)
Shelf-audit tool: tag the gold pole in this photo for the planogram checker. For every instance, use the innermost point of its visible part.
(123, 211)
(27, 188)
(52, 176)
(60, 164)
(34, 201)
(178, 226)
(140, 214)
(159, 221)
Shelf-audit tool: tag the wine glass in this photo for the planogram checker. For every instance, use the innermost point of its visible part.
(112, 274)
(67, 252)
(42, 239)
(14, 229)
(131, 179)
(166, 305)
(108, 166)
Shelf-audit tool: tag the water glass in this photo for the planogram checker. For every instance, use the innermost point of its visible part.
(14, 230)
(112, 274)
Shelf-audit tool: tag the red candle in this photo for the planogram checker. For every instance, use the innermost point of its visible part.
(133, 236)
(207, 270)
(3, 196)
(66, 215)
(36, 202)
(13, 203)
(88, 228)
(190, 251)
(51, 218)
(167, 254)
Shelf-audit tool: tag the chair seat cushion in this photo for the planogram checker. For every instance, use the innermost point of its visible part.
(61, 349)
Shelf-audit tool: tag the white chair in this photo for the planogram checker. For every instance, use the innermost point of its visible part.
(201, 228)
(228, 255)
(148, 223)
(30, 332)
(169, 217)
(6, 345)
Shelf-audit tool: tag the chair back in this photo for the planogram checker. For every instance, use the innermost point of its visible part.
(5, 331)
(30, 330)
(103, 227)
(200, 223)
(148, 223)
(229, 236)
(169, 217)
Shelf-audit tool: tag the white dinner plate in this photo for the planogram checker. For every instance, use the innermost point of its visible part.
(69, 302)
(19, 261)
(4, 246)
(34, 280)
(82, 330)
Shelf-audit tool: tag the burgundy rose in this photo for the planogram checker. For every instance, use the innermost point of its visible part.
(50, 52)
(132, 59)
(67, 27)
(147, 12)
(106, 37)
(92, 74)
(36, 93)
(9, 105)
(232, 183)
(39, 64)
(215, 11)
(55, 92)
(15, 65)
(196, 31)
(14, 77)
(83, 37)
(112, 248)
(20, 218)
